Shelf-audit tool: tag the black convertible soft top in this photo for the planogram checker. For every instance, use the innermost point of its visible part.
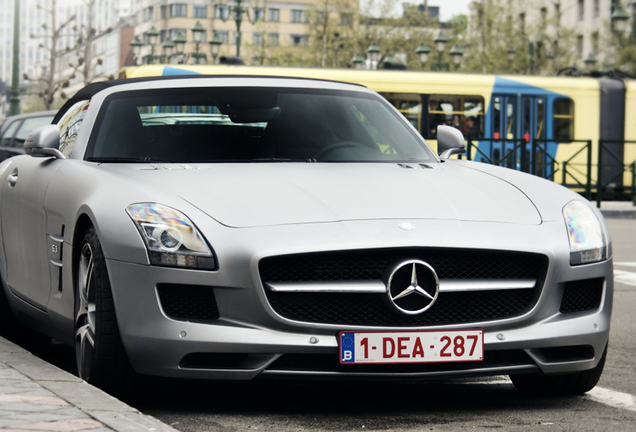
(93, 88)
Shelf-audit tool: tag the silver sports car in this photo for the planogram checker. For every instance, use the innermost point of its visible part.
(231, 228)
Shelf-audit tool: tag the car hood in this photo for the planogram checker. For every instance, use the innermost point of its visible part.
(262, 194)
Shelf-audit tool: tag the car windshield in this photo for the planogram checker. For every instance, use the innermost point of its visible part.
(252, 124)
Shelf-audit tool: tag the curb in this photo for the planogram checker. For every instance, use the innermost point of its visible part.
(98, 405)
(619, 214)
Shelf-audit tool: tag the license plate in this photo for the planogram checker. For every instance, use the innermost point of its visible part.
(412, 346)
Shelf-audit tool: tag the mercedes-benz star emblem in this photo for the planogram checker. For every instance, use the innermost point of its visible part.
(412, 286)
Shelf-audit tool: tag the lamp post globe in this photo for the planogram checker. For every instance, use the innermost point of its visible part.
(422, 52)
(440, 42)
(374, 52)
(358, 61)
(456, 54)
(619, 20)
(215, 47)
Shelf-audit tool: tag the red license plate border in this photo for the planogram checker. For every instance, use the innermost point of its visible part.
(340, 347)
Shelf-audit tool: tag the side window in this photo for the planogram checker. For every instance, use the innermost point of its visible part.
(69, 126)
(563, 119)
(410, 105)
(465, 113)
(8, 134)
(28, 126)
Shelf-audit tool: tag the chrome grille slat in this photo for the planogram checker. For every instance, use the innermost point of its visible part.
(378, 287)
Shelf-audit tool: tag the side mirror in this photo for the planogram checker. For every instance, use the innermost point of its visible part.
(44, 142)
(450, 141)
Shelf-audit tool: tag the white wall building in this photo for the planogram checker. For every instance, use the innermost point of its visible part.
(33, 14)
(590, 20)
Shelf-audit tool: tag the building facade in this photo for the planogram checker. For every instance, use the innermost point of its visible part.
(590, 20)
(36, 26)
(263, 25)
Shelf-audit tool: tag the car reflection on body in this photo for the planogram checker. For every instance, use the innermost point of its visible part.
(232, 228)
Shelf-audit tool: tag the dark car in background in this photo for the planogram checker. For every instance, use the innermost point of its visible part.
(15, 129)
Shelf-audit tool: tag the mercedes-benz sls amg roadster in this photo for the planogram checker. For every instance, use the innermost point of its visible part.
(233, 228)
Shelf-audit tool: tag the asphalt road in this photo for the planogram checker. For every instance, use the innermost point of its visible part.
(477, 404)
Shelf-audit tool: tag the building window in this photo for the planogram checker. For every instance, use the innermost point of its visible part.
(259, 14)
(148, 12)
(272, 39)
(164, 12)
(298, 16)
(346, 19)
(257, 39)
(595, 43)
(597, 8)
(178, 10)
(221, 12)
(223, 35)
(544, 17)
(200, 11)
(579, 46)
(274, 15)
(299, 40)
(581, 10)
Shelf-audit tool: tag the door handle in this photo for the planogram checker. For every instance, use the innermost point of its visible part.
(13, 178)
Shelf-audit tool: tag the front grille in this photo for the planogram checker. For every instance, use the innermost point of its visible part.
(188, 302)
(370, 264)
(582, 295)
(330, 363)
(372, 309)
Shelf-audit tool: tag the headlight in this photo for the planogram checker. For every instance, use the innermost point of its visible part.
(170, 237)
(587, 242)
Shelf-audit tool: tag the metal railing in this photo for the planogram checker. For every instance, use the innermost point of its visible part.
(576, 171)
(572, 169)
(616, 164)
(534, 158)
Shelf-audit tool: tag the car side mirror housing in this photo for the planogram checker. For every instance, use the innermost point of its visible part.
(450, 141)
(44, 142)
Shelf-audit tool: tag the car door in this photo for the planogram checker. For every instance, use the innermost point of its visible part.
(24, 227)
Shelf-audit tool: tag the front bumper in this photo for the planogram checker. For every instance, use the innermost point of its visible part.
(249, 339)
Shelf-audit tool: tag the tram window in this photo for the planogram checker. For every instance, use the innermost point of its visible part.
(410, 105)
(465, 113)
(563, 119)
(540, 118)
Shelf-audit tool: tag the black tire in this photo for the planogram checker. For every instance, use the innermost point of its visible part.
(99, 352)
(571, 384)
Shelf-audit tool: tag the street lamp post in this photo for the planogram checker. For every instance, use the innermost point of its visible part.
(358, 61)
(238, 10)
(153, 35)
(374, 55)
(423, 52)
(197, 37)
(14, 100)
(168, 48)
(136, 45)
(215, 47)
(440, 45)
(620, 20)
(179, 46)
(590, 62)
(456, 54)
